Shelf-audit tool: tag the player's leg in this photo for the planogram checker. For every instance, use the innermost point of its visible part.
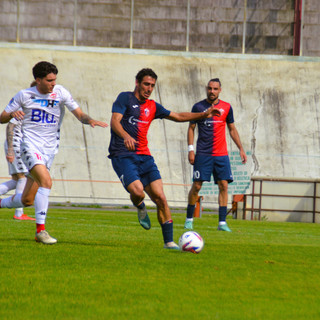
(137, 196)
(41, 176)
(21, 183)
(223, 203)
(156, 194)
(127, 169)
(192, 199)
(202, 170)
(223, 176)
(7, 186)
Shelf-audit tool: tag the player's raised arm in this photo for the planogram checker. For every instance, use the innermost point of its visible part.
(86, 119)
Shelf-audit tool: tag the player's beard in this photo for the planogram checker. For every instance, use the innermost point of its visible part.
(212, 99)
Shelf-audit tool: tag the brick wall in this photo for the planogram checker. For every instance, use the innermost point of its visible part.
(215, 25)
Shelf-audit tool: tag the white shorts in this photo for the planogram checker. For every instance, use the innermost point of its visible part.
(17, 166)
(33, 157)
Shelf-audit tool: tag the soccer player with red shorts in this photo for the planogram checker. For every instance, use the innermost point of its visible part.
(212, 154)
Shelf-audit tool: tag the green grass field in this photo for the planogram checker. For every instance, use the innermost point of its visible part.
(105, 266)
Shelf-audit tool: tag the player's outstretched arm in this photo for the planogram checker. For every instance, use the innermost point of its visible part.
(189, 116)
(86, 119)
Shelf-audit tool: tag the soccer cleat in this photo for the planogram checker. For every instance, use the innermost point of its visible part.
(224, 227)
(23, 217)
(188, 225)
(171, 245)
(144, 218)
(44, 237)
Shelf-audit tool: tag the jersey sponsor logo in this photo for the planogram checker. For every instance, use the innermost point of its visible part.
(135, 106)
(46, 103)
(208, 123)
(134, 121)
(42, 116)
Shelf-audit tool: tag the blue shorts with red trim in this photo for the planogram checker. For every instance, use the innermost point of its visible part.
(135, 167)
(218, 166)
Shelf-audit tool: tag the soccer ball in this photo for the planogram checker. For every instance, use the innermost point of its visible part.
(191, 241)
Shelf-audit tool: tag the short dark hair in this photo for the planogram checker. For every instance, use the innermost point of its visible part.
(43, 68)
(215, 80)
(146, 72)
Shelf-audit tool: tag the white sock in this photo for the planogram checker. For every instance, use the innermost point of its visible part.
(41, 203)
(12, 202)
(189, 219)
(7, 186)
(20, 185)
(19, 189)
(18, 212)
(221, 223)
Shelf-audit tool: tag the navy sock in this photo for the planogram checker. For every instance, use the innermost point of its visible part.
(167, 231)
(141, 205)
(190, 211)
(222, 213)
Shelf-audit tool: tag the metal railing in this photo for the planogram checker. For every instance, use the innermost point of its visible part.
(256, 207)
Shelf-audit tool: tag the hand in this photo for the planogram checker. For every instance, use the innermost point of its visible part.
(130, 143)
(10, 156)
(18, 115)
(213, 111)
(191, 157)
(94, 123)
(243, 156)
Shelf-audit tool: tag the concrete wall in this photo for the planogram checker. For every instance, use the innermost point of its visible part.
(215, 25)
(275, 101)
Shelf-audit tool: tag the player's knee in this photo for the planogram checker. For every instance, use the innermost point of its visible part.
(160, 201)
(27, 201)
(196, 187)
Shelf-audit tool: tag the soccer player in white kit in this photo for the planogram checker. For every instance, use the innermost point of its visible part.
(41, 109)
(17, 168)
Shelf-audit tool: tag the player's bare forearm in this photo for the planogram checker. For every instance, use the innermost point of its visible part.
(117, 128)
(9, 136)
(192, 116)
(5, 117)
(86, 119)
(236, 139)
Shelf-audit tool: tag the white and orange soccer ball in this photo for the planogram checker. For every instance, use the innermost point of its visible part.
(191, 241)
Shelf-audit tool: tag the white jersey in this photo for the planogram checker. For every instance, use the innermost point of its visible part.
(43, 116)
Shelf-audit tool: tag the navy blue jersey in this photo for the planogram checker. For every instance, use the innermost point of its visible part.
(136, 120)
(212, 131)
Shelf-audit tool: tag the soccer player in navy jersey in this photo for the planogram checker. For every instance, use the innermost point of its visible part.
(132, 114)
(212, 154)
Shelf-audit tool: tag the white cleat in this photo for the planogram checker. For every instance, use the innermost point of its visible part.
(44, 237)
(171, 245)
